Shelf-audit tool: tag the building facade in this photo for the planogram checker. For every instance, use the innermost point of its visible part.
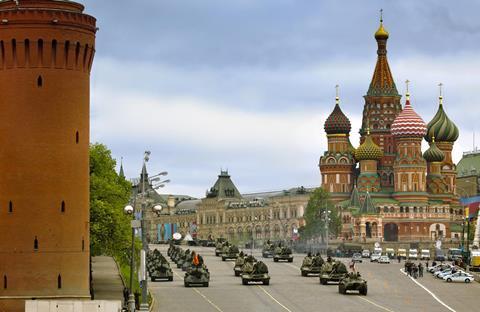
(47, 50)
(225, 212)
(397, 193)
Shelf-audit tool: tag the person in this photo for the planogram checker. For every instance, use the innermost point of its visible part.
(399, 258)
(420, 270)
(426, 265)
(352, 266)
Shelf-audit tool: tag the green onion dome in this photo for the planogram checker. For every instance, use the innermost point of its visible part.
(368, 150)
(441, 127)
(434, 154)
(337, 122)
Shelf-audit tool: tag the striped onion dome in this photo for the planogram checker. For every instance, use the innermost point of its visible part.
(337, 122)
(441, 127)
(368, 150)
(434, 154)
(408, 123)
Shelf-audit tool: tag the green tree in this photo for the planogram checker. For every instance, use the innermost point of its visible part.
(315, 225)
(110, 232)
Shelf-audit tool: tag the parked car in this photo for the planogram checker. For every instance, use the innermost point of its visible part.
(366, 253)
(439, 267)
(375, 257)
(413, 254)
(459, 277)
(402, 253)
(357, 257)
(441, 274)
(384, 259)
(425, 254)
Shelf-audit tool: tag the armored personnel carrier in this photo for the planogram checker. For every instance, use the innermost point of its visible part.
(255, 272)
(353, 281)
(332, 272)
(239, 262)
(283, 253)
(229, 252)
(311, 265)
(158, 267)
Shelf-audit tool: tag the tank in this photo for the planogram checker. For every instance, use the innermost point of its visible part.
(267, 250)
(283, 254)
(239, 262)
(332, 272)
(311, 265)
(187, 262)
(182, 258)
(197, 275)
(353, 281)
(219, 247)
(158, 267)
(229, 252)
(255, 272)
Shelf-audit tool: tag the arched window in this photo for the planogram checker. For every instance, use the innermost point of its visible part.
(5, 282)
(10, 207)
(35, 243)
(62, 209)
(40, 81)
(59, 281)
(77, 137)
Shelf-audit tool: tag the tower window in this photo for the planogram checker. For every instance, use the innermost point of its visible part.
(5, 282)
(35, 244)
(77, 137)
(83, 244)
(59, 281)
(10, 207)
(40, 81)
(62, 209)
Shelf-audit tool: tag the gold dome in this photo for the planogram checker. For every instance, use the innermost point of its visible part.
(368, 150)
(381, 33)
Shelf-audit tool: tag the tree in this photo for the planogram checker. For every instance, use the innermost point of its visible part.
(110, 232)
(315, 216)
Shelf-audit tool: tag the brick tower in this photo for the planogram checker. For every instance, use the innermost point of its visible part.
(382, 105)
(46, 53)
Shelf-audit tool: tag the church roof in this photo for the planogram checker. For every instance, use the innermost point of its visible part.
(337, 122)
(441, 127)
(382, 83)
(368, 206)
(223, 188)
(408, 123)
(433, 153)
(368, 150)
(355, 198)
(469, 164)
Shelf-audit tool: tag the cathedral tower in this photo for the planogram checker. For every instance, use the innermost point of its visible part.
(337, 164)
(46, 53)
(368, 154)
(382, 105)
(410, 167)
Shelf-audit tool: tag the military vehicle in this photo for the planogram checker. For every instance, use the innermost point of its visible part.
(158, 267)
(182, 259)
(267, 250)
(353, 281)
(282, 253)
(311, 265)
(219, 246)
(255, 272)
(197, 275)
(188, 261)
(332, 272)
(229, 252)
(239, 262)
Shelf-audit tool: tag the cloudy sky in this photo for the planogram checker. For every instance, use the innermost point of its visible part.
(246, 85)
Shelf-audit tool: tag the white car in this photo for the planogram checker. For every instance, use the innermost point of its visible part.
(439, 267)
(366, 253)
(375, 257)
(443, 273)
(384, 259)
(459, 277)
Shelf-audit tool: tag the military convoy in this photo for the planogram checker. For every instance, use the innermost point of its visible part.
(254, 271)
(282, 253)
(353, 281)
(158, 267)
(311, 265)
(268, 249)
(219, 246)
(196, 271)
(229, 252)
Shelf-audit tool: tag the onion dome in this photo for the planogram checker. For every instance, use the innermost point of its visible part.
(381, 33)
(441, 127)
(408, 123)
(337, 122)
(434, 154)
(368, 150)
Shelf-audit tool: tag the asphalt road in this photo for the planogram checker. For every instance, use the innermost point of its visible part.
(388, 290)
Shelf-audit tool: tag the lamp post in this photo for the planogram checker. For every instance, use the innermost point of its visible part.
(253, 239)
(326, 220)
(131, 297)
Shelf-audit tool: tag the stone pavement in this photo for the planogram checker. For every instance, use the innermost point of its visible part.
(107, 283)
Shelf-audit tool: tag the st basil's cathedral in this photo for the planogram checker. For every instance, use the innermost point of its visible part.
(396, 193)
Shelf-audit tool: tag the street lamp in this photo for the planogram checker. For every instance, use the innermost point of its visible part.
(131, 297)
(326, 218)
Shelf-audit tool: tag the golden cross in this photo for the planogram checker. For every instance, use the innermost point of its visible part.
(440, 85)
(406, 83)
(336, 90)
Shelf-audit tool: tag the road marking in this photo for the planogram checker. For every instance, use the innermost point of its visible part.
(375, 304)
(208, 300)
(278, 302)
(428, 291)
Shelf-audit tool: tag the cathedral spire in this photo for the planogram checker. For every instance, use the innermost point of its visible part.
(121, 173)
(382, 83)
